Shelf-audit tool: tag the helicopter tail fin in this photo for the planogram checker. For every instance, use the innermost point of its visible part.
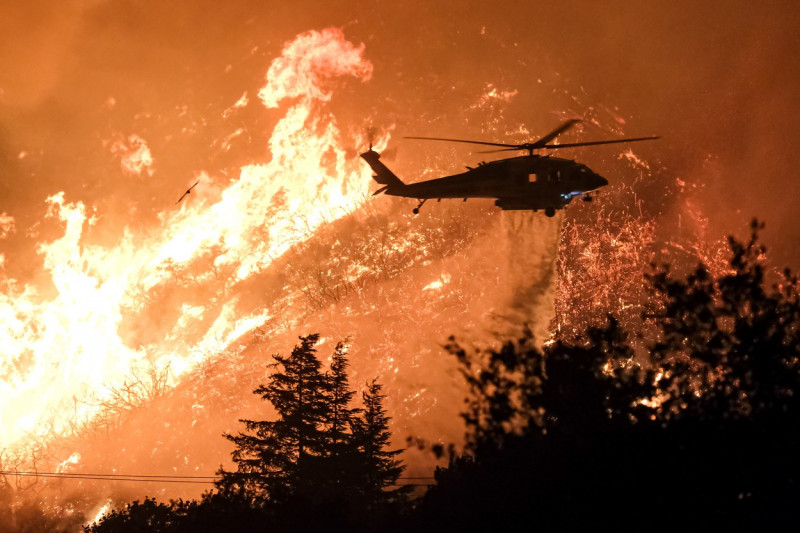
(382, 175)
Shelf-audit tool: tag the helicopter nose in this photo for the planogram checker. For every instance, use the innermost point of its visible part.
(598, 181)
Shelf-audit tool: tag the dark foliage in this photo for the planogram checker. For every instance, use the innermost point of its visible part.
(282, 459)
(212, 513)
(342, 453)
(700, 433)
(703, 436)
(379, 467)
(320, 465)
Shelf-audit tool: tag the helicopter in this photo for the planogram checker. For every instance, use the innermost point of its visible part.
(528, 182)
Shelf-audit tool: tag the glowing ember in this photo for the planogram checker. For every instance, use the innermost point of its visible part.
(6, 225)
(146, 341)
(135, 156)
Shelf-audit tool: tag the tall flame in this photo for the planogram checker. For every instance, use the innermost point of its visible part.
(63, 354)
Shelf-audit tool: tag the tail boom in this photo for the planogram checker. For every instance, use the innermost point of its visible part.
(382, 175)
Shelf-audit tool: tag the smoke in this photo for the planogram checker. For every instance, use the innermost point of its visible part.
(39, 37)
(110, 110)
(716, 80)
(180, 315)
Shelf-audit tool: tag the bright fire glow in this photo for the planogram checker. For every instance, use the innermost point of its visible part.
(6, 225)
(63, 354)
(134, 154)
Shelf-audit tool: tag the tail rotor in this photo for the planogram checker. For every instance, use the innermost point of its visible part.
(372, 133)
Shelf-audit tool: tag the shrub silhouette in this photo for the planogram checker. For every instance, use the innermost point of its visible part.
(702, 431)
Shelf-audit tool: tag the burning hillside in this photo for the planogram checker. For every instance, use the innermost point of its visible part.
(168, 298)
(157, 341)
(134, 329)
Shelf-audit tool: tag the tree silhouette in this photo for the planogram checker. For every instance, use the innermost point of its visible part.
(379, 467)
(281, 458)
(702, 430)
(320, 464)
(340, 447)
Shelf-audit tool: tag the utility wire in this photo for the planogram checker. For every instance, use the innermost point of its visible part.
(157, 478)
(36, 473)
(110, 477)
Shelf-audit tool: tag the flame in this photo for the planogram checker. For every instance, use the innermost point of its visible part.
(241, 103)
(134, 154)
(7, 226)
(437, 284)
(66, 353)
(102, 509)
(603, 258)
(130, 319)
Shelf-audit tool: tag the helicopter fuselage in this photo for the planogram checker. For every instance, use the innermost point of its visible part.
(529, 182)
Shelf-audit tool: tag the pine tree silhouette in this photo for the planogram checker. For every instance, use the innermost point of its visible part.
(380, 467)
(342, 452)
(280, 459)
(321, 464)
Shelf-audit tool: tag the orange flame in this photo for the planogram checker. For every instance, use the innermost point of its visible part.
(6, 225)
(73, 348)
(134, 154)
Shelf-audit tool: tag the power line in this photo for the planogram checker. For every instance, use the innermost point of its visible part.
(108, 477)
(153, 478)
(170, 476)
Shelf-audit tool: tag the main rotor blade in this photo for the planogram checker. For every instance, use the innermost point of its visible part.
(553, 134)
(515, 149)
(541, 143)
(569, 145)
(461, 141)
(592, 143)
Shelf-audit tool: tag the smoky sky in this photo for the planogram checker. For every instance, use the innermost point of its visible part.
(717, 80)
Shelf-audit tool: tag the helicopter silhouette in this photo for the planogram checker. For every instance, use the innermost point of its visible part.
(529, 182)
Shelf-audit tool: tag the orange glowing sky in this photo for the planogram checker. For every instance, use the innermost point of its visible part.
(109, 111)
(718, 80)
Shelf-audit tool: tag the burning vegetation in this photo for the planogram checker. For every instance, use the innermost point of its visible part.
(703, 424)
(133, 350)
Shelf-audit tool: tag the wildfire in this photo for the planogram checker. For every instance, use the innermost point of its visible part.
(135, 156)
(166, 305)
(6, 225)
(605, 254)
(65, 353)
